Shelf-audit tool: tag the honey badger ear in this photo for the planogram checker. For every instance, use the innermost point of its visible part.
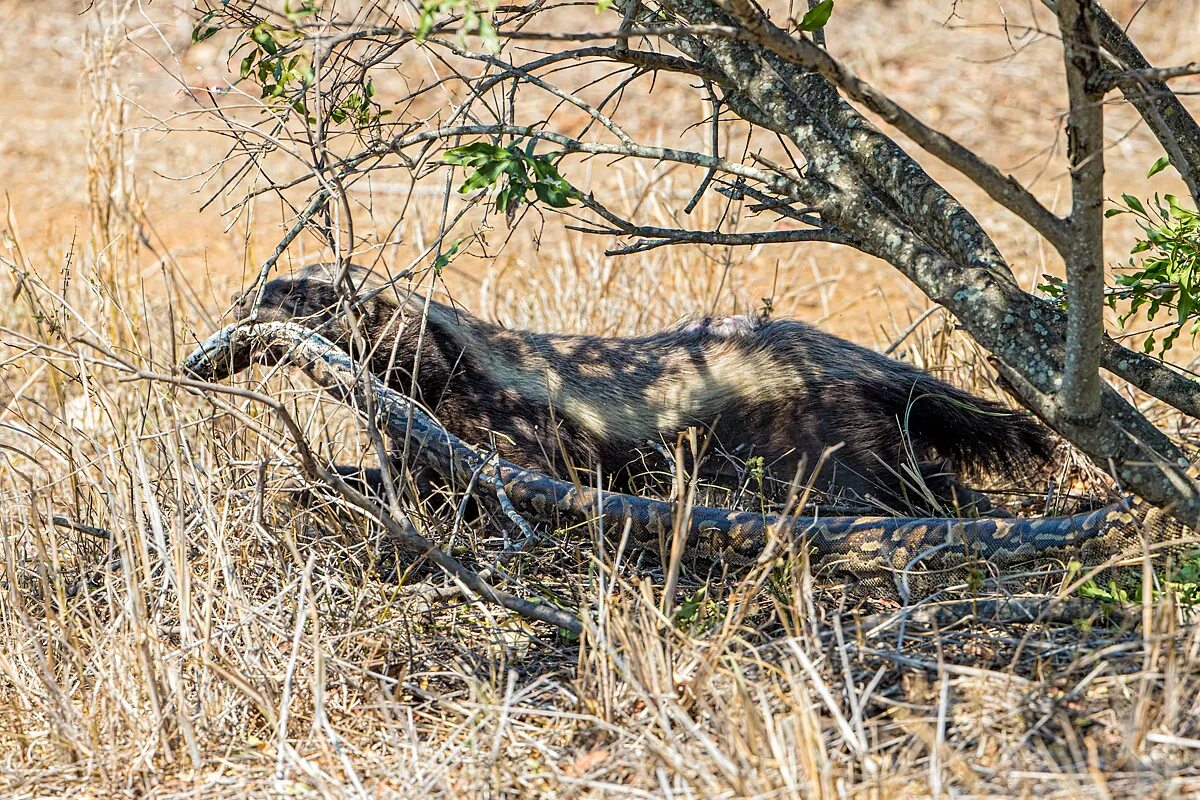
(241, 303)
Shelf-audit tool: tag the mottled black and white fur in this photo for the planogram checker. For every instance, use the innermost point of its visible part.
(779, 389)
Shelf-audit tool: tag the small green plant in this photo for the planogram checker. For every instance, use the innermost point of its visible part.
(1184, 579)
(1163, 272)
(1108, 593)
(518, 171)
(1181, 579)
(757, 469)
(699, 611)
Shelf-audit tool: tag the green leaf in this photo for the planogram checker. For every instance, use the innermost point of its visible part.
(297, 14)
(443, 260)
(518, 173)
(1112, 212)
(199, 35)
(1159, 166)
(504, 197)
(603, 5)
(473, 154)
(487, 34)
(553, 195)
(1184, 308)
(817, 16)
(425, 24)
(1133, 203)
(203, 29)
(247, 66)
(263, 38)
(1178, 211)
(1169, 341)
(485, 175)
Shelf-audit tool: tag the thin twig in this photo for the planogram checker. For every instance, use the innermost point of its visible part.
(90, 530)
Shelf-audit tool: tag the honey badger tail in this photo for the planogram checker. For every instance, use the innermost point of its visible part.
(974, 433)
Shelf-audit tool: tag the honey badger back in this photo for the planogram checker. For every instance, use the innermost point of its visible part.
(782, 390)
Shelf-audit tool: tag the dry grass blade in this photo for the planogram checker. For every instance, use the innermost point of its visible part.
(184, 613)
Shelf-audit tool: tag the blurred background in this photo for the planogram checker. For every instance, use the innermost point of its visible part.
(97, 125)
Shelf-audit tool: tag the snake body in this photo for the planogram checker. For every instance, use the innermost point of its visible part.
(932, 550)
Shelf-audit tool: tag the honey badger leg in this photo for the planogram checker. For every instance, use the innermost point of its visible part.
(949, 492)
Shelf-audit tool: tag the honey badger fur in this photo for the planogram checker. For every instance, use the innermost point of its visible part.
(781, 389)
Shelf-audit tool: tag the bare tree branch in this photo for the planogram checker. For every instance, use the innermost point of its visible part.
(1166, 115)
(1004, 189)
(1079, 396)
(659, 237)
(1138, 78)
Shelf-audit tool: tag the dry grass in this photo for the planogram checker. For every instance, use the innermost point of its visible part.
(231, 641)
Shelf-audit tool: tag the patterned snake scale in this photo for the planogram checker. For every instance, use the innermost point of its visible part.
(924, 553)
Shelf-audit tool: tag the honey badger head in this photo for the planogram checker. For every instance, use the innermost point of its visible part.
(323, 299)
(782, 390)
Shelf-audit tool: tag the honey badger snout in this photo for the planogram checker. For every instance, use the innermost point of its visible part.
(241, 303)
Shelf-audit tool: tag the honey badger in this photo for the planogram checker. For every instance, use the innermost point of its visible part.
(781, 389)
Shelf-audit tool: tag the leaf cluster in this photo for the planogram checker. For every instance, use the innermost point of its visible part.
(1167, 274)
(275, 55)
(516, 170)
(1162, 271)
(272, 65)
